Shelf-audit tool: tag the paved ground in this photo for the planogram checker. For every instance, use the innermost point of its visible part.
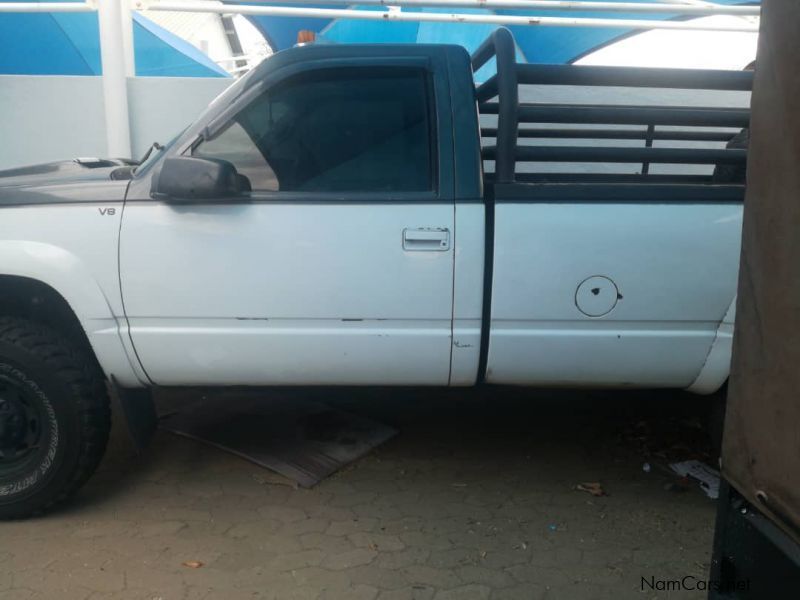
(475, 499)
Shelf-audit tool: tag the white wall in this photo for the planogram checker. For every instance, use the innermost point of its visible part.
(45, 118)
(161, 107)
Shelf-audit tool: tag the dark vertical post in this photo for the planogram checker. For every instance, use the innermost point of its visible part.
(508, 99)
(757, 552)
(501, 45)
(648, 143)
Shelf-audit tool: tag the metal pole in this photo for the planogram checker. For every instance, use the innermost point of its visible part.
(494, 19)
(666, 6)
(685, 7)
(690, 2)
(46, 7)
(127, 38)
(115, 85)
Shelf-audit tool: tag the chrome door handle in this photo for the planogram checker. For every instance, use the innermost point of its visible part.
(431, 239)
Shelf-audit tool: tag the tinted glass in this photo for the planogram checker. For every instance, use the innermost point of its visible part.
(334, 130)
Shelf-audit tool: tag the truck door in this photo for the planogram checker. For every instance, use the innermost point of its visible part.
(337, 268)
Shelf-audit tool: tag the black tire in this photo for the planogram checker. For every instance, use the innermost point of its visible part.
(54, 418)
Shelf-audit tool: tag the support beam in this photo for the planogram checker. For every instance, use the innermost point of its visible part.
(682, 7)
(47, 7)
(115, 85)
(126, 13)
(422, 17)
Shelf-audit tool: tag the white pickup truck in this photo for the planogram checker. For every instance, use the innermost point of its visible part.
(328, 221)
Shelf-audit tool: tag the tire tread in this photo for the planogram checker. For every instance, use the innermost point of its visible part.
(83, 379)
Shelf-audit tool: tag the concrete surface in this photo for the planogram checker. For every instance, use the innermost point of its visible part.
(475, 499)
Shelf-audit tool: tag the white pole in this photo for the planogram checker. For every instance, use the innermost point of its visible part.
(127, 38)
(369, 15)
(37, 7)
(115, 85)
(691, 2)
(666, 6)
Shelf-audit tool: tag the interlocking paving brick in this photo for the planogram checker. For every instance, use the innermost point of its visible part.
(350, 559)
(351, 526)
(297, 560)
(474, 499)
(377, 541)
(403, 558)
(465, 592)
(437, 578)
(417, 592)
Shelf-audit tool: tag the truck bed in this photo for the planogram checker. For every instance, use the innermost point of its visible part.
(602, 197)
(611, 143)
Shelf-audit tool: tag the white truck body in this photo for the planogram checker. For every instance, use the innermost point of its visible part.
(326, 294)
(340, 216)
(343, 292)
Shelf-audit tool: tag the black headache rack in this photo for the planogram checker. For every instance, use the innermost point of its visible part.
(553, 125)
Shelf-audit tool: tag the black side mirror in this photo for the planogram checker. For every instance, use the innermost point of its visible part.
(192, 179)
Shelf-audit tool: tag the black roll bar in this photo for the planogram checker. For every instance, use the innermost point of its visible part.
(499, 95)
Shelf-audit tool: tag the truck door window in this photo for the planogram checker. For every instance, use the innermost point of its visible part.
(335, 130)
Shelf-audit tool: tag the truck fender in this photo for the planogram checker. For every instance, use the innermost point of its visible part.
(717, 366)
(69, 276)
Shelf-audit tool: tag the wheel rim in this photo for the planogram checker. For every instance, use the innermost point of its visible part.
(20, 424)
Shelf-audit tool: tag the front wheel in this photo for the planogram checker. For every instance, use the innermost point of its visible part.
(54, 418)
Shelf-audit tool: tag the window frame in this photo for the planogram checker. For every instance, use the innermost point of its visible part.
(439, 121)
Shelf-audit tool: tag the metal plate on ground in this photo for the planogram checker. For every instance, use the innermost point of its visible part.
(304, 441)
